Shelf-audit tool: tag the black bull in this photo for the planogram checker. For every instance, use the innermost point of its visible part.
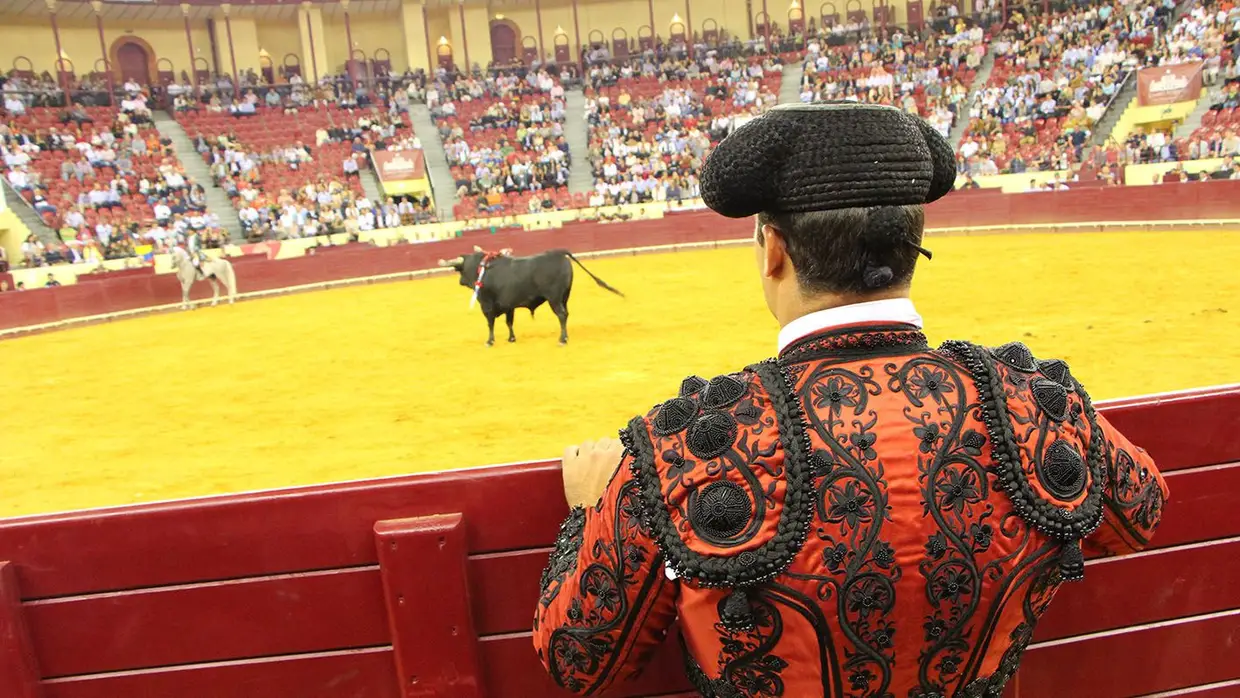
(522, 282)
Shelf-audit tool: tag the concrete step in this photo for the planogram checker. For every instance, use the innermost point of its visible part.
(576, 132)
(27, 217)
(984, 70)
(196, 168)
(370, 185)
(790, 83)
(442, 186)
(1112, 124)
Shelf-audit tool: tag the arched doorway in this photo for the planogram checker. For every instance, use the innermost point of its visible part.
(133, 58)
(504, 40)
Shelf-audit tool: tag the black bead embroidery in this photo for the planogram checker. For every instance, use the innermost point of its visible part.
(567, 546)
(1051, 397)
(822, 463)
(773, 556)
(711, 435)
(1017, 356)
(1043, 514)
(1062, 470)
(1057, 370)
(720, 511)
(735, 613)
(843, 342)
(722, 391)
(691, 385)
(674, 415)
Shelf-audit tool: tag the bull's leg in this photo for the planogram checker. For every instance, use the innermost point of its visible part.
(490, 330)
(509, 316)
(561, 312)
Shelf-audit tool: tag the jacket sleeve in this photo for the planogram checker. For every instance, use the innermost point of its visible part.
(605, 601)
(1132, 499)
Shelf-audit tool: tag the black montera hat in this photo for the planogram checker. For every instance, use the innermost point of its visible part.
(822, 156)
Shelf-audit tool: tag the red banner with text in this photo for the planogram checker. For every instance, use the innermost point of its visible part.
(1168, 84)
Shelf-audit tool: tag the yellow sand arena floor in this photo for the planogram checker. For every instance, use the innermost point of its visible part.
(389, 379)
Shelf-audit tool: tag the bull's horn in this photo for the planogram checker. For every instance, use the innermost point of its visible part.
(446, 263)
(477, 249)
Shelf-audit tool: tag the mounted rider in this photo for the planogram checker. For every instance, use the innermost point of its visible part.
(193, 245)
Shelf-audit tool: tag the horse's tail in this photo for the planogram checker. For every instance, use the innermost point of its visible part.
(597, 280)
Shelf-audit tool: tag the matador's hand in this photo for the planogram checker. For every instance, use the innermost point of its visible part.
(588, 468)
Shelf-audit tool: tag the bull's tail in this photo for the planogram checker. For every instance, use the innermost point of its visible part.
(597, 280)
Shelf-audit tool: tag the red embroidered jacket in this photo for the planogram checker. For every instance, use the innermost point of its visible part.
(861, 517)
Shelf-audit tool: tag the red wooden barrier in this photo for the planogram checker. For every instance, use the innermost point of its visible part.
(126, 291)
(425, 586)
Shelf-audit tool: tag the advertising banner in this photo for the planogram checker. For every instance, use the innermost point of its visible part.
(1168, 84)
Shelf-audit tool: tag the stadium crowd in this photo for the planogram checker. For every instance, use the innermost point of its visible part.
(652, 121)
(289, 156)
(503, 135)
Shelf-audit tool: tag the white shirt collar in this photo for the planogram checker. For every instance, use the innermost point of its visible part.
(890, 311)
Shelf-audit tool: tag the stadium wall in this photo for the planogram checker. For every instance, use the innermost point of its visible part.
(967, 211)
(257, 28)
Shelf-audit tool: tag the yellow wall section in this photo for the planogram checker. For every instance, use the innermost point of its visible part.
(402, 34)
(19, 36)
(370, 32)
(313, 41)
(279, 40)
(441, 26)
(413, 28)
(245, 44)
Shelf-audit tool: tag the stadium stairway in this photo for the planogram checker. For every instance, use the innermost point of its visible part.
(576, 132)
(24, 216)
(790, 84)
(984, 70)
(370, 185)
(442, 186)
(1112, 123)
(1192, 122)
(217, 201)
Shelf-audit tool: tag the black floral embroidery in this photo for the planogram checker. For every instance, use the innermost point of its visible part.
(1049, 516)
(852, 508)
(564, 555)
(747, 663)
(773, 556)
(578, 648)
(955, 488)
(1135, 495)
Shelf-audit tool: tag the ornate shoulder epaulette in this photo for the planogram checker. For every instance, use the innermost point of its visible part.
(725, 482)
(1048, 448)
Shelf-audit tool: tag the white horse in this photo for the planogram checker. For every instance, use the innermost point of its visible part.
(214, 270)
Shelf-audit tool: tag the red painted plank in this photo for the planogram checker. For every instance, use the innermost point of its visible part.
(1146, 588)
(505, 589)
(19, 670)
(1202, 506)
(313, 528)
(1222, 689)
(275, 532)
(365, 673)
(1138, 661)
(268, 616)
(426, 589)
(1183, 432)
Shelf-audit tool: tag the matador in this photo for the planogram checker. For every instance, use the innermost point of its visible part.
(864, 515)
